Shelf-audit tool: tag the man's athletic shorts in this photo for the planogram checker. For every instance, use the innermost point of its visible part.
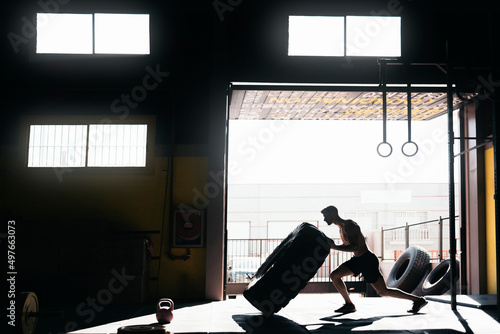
(366, 264)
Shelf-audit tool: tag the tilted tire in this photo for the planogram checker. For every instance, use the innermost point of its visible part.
(439, 279)
(409, 269)
(288, 269)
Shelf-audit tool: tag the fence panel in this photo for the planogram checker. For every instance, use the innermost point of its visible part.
(432, 235)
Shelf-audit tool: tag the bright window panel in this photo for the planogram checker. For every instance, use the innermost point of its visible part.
(122, 33)
(64, 33)
(117, 145)
(316, 36)
(57, 146)
(373, 36)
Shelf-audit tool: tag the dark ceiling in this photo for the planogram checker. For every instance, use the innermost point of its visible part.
(201, 42)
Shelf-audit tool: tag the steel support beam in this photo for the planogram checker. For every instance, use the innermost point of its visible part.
(451, 185)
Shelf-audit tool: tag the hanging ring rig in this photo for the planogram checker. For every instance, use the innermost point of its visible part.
(384, 149)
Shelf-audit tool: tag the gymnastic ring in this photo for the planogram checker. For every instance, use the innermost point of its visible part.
(409, 142)
(390, 149)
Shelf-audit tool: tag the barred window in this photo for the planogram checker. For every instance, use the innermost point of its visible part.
(366, 220)
(117, 145)
(410, 217)
(57, 146)
(87, 145)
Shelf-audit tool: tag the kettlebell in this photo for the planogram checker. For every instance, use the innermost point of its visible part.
(164, 310)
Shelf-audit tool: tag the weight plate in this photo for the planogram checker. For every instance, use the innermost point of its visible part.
(28, 304)
(148, 329)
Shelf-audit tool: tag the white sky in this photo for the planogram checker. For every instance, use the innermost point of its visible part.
(335, 152)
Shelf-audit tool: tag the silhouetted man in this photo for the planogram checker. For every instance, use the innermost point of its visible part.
(364, 261)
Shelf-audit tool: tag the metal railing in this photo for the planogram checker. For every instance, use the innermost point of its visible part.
(432, 237)
(244, 257)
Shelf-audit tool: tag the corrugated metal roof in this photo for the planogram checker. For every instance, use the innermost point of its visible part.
(335, 105)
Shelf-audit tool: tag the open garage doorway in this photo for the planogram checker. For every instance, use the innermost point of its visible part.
(294, 150)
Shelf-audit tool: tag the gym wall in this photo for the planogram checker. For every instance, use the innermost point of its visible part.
(66, 225)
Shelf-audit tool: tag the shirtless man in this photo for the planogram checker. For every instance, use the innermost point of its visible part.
(364, 261)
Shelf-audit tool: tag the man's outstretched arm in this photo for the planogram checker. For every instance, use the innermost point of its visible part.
(351, 244)
(351, 247)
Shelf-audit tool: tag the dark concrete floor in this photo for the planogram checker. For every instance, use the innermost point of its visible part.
(307, 313)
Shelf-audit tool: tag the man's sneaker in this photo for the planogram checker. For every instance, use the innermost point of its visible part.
(417, 305)
(347, 308)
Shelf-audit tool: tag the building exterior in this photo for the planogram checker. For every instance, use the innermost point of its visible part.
(271, 211)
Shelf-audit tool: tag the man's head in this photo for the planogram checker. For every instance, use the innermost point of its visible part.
(331, 214)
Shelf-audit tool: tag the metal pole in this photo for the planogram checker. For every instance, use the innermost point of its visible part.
(382, 243)
(463, 208)
(407, 236)
(451, 184)
(440, 255)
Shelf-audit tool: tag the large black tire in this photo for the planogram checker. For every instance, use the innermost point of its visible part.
(288, 269)
(439, 279)
(409, 269)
